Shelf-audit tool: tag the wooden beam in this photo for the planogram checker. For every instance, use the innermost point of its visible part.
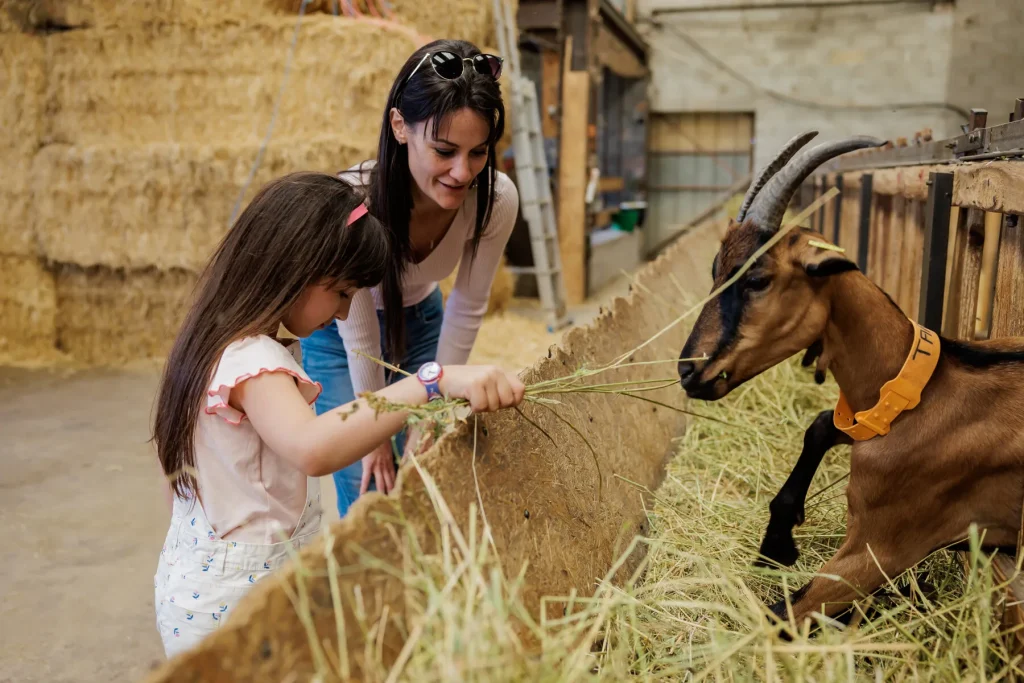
(572, 179)
(551, 81)
(996, 186)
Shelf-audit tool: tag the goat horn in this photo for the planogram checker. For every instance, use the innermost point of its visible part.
(766, 173)
(768, 208)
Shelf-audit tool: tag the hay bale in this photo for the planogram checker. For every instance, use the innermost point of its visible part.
(28, 308)
(110, 317)
(501, 288)
(107, 14)
(471, 20)
(22, 89)
(157, 205)
(16, 235)
(178, 83)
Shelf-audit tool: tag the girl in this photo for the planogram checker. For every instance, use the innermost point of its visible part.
(436, 187)
(234, 430)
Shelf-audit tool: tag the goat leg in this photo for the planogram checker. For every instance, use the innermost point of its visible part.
(787, 508)
(860, 572)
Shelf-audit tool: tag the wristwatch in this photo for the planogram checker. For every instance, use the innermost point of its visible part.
(429, 376)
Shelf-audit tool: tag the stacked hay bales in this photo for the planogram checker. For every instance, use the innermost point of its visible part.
(128, 139)
(27, 289)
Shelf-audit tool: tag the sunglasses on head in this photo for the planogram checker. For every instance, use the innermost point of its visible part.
(450, 66)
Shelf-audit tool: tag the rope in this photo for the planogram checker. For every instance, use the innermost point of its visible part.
(273, 116)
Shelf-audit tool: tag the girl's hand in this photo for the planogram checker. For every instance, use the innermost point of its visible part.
(486, 387)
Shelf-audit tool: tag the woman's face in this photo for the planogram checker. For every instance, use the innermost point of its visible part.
(443, 167)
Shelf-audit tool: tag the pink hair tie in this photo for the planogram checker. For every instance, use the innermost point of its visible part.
(356, 214)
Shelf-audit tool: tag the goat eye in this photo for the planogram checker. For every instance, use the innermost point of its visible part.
(758, 283)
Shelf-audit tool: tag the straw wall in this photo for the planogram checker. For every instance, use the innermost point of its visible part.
(28, 309)
(208, 85)
(541, 499)
(127, 140)
(161, 205)
(108, 316)
(22, 84)
(467, 19)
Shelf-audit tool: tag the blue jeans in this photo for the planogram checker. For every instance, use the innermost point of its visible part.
(324, 359)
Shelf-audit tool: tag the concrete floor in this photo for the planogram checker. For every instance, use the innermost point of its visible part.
(82, 519)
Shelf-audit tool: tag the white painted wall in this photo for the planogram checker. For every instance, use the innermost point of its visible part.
(875, 55)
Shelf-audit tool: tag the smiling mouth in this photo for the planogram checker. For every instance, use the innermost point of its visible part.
(453, 188)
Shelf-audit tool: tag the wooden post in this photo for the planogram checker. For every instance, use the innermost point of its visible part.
(572, 179)
(1008, 305)
(838, 210)
(822, 189)
(964, 278)
(864, 234)
(987, 279)
(936, 242)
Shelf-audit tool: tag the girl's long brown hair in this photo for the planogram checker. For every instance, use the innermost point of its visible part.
(293, 234)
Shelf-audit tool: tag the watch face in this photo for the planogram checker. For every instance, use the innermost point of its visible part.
(430, 371)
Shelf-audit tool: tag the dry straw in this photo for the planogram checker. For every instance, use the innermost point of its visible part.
(699, 610)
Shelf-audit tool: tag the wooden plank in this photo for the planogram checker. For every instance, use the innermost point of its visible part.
(849, 225)
(1008, 305)
(551, 81)
(987, 279)
(610, 184)
(894, 244)
(880, 244)
(911, 266)
(572, 182)
(1004, 569)
(996, 186)
(910, 182)
(962, 306)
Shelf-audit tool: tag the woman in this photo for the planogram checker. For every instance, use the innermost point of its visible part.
(436, 187)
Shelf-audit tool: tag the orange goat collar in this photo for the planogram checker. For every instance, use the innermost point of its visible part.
(897, 395)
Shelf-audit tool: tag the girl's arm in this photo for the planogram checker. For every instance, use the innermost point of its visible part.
(319, 445)
(468, 300)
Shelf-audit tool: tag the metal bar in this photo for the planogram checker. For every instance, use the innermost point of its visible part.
(988, 143)
(795, 4)
(936, 246)
(866, 195)
(839, 210)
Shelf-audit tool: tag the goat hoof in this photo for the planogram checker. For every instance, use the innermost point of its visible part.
(778, 547)
(778, 610)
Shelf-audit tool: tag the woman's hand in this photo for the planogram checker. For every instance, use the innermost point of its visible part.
(381, 466)
(486, 387)
(417, 441)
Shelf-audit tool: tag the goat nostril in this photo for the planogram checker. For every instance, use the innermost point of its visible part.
(686, 369)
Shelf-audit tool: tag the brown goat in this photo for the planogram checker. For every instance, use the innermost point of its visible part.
(954, 460)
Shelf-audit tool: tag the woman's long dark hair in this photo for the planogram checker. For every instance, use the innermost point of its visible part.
(293, 234)
(427, 97)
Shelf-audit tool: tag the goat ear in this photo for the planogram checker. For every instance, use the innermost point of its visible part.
(818, 261)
